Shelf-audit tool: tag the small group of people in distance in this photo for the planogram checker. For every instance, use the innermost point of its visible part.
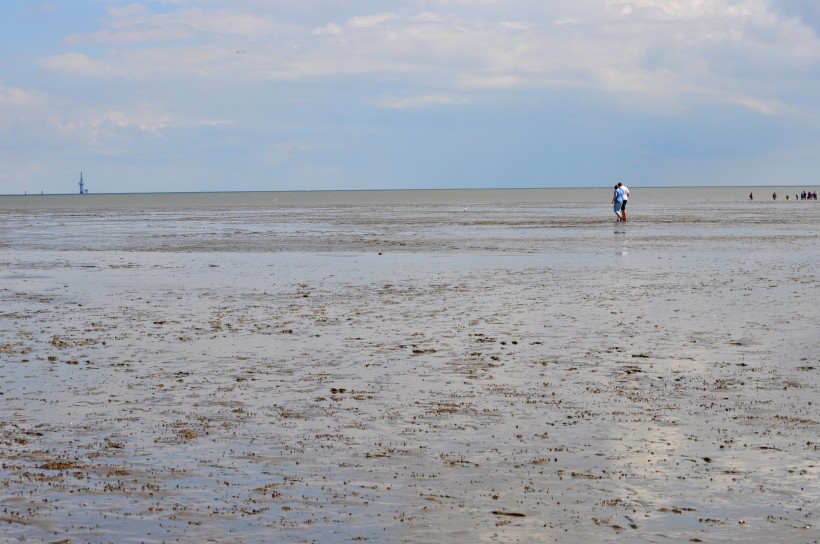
(802, 196)
(619, 201)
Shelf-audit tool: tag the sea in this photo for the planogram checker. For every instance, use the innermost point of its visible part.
(410, 197)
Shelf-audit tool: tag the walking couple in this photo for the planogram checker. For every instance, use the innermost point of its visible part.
(619, 201)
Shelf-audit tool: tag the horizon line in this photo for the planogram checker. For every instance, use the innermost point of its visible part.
(26, 194)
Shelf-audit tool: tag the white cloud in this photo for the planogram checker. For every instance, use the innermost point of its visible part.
(682, 9)
(422, 101)
(19, 107)
(330, 29)
(128, 10)
(428, 17)
(98, 126)
(144, 119)
(104, 126)
(564, 21)
(765, 107)
(12, 97)
(512, 25)
(74, 63)
(496, 82)
(134, 24)
(135, 35)
(369, 21)
(722, 49)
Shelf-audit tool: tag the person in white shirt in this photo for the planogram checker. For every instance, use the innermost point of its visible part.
(625, 189)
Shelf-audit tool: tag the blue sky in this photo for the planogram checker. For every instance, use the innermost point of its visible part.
(207, 95)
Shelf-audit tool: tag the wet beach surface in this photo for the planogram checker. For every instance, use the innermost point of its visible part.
(410, 374)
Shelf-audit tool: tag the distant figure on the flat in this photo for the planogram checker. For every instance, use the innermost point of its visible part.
(617, 201)
(625, 189)
(774, 196)
(751, 196)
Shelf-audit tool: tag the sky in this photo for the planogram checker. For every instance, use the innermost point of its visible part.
(274, 95)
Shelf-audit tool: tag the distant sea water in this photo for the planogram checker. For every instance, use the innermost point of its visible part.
(475, 221)
(433, 197)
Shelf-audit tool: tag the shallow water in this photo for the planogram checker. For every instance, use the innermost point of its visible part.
(410, 373)
(458, 198)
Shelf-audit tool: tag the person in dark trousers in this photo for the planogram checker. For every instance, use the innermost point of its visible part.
(625, 189)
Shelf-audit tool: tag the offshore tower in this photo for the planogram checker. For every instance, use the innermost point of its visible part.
(82, 185)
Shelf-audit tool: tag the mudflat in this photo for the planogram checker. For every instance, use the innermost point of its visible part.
(411, 374)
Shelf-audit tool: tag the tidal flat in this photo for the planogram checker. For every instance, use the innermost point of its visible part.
(427, 373)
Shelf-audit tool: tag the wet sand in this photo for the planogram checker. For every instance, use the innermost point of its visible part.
(410, 374)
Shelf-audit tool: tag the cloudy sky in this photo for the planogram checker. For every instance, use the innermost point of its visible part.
(204, 95)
